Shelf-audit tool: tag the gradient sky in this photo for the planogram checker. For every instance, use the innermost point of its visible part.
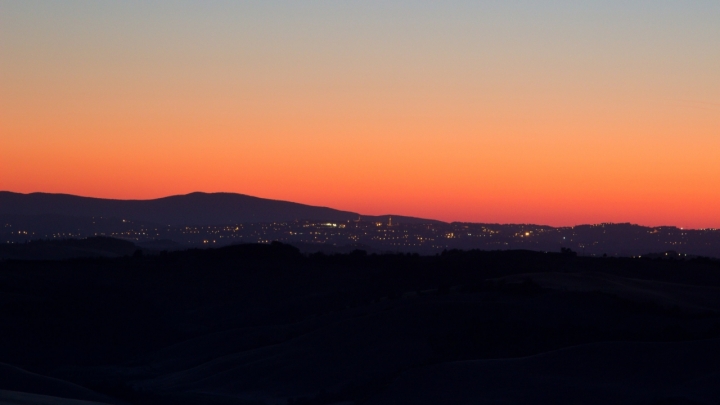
(552, 112)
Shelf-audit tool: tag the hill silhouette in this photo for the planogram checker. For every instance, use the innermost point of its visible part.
(221, 219)
(190, 209)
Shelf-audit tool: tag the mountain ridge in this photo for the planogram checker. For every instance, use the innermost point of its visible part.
(196, 208)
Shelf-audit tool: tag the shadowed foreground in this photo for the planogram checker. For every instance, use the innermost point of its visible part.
(263, 324)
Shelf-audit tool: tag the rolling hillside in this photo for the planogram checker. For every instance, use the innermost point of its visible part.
(189, 209)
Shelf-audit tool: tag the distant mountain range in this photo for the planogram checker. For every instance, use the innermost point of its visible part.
(189, 209)
(220, 219)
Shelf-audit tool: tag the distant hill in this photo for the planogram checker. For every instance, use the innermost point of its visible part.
(220, 219)
(189, 209)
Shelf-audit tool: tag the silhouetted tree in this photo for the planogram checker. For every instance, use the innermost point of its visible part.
(568, 251)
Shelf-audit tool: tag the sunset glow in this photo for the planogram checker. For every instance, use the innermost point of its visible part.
(507, 112)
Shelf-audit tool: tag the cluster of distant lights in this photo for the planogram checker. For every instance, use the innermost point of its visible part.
(259, 230)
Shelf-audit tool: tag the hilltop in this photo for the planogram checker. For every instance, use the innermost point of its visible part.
(189, 209)
(221, 219)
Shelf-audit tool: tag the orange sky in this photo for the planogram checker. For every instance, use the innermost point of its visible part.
(516, 118)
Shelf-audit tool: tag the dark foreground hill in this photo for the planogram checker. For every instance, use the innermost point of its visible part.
(264, 324)
(190, 209)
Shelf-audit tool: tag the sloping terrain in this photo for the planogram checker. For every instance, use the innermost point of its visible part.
(19, 380)
(24, 398)
(601, 373)
(264, 324)
(668, 295)
(189, 209)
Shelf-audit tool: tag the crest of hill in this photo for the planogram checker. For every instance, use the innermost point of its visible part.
(190, 209)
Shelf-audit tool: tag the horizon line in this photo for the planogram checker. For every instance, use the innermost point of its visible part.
(364, 215)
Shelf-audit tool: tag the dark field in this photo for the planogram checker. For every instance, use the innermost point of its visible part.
(263, 324)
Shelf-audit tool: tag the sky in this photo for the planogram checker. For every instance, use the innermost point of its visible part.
(552, 112)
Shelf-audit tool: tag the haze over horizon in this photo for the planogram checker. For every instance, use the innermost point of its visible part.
(558, 113)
